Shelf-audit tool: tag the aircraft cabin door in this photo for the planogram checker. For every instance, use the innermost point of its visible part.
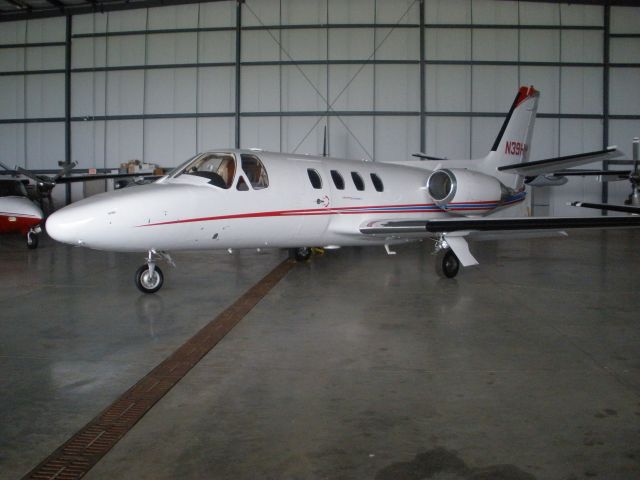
(315, 203)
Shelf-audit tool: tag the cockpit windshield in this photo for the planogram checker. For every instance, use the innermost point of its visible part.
(218, 168)
(12, 188)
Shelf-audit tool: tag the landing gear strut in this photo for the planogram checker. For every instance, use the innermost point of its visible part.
(149, 278)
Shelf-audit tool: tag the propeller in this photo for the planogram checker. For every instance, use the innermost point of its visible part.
(45, 183)
(634, 176)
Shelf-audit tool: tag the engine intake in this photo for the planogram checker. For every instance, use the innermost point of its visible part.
(463, 190)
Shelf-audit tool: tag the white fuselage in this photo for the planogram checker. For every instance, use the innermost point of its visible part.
(186, 212)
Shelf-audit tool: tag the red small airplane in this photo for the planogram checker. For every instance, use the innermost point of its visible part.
(18, 213)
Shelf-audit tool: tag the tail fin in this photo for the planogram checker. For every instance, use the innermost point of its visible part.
(514, 140)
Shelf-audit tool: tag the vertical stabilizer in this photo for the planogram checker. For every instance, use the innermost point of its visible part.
(514, 139)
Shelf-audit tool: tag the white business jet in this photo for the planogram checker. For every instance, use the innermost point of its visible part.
(233, 199)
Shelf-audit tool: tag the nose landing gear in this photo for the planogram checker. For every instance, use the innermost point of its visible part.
(149, 277)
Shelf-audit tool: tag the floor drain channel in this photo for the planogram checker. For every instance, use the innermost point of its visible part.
(81, 452)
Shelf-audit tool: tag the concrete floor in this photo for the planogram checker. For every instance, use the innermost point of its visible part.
(357, 365)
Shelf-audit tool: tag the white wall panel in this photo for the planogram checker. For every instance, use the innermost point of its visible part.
(307, 44)
(538, 13)
(182, 16)
(87, 94)
(353, 141)
(124, 142)
(625, 20)
(494, 88)
(45, 96)
(45, 58)
(350, 44)
(484, 131)
(625, 50)
(260, 46)
(351, 87)
(490, 12)
(397, 44)
(12, 143)
(260, 12)
(13, 32)
(216, 89)
(580, 135)
(581, 46)
(127, 50)
(171, 90)
(353, 11)
(88, 52)
(260, 87)
(215, 133)
(87, 144)
(127, 20)
(448, 44)
(622, 132)
(624, 81)
(304, 12)
(397, 11)
(171, 48)
(12, 59)
(396, 138)
(264, 133)
(45, 145)
(217, 47)
(302, 135)
(448, 11)
(581, 90)
(218, 14)
(397, 87)
(12, 96)
(89, 23)
(169, 142)
(448, 137)
(582, 15)
(547, 81)
(304, 87)
(495, 45)
(539, 45)
(46, 30)
(125, 92)
(448, 88)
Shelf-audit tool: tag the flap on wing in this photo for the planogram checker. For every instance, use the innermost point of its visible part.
(551, 165)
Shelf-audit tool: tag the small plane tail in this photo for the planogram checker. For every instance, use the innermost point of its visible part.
(513, 142)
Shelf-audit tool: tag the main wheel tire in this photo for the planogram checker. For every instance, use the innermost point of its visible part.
(32, 241)
(447, 264)
(301, 254)
(145, 282)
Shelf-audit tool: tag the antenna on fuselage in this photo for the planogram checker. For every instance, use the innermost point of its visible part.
(324, 142)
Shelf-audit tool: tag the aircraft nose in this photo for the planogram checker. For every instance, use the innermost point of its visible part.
(64, 226)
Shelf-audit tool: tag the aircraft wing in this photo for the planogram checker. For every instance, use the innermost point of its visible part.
(454, 230)
(552, 165)
(606, 206)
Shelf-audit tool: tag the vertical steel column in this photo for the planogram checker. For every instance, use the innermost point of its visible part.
(605, 97)
(67, 104)
(238, 53)
(422, 81)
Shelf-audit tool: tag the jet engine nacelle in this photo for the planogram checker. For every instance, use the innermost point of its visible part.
(466, 191)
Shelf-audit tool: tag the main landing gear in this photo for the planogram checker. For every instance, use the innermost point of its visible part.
(301, 254)
(447, 264)
(149, 278)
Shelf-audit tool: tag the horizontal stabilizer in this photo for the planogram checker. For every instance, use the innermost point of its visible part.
(424, 156)
(551, 165)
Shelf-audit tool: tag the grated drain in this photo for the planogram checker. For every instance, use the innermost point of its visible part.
(80, 453)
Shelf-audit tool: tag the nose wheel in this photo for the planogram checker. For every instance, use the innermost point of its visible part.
(149, 278)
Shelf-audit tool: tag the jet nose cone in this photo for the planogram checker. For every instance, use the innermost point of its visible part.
(63, 226)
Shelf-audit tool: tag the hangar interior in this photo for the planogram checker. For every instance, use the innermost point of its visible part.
(356, 364)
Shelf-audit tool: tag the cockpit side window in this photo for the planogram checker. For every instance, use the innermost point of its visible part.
(219, 169)
(255, 171)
